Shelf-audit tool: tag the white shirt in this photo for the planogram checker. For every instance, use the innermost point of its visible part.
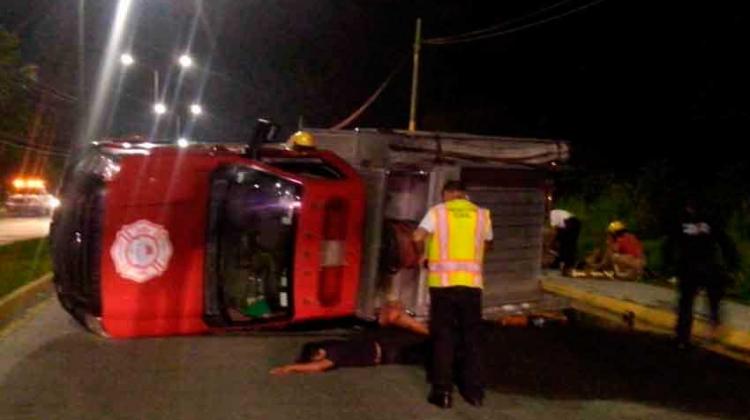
(428, 224)
(557, 217)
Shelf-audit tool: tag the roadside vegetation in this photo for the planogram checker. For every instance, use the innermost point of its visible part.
(23, 262)
(648, 200)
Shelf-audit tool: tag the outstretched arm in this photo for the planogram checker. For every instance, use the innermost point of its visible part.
(316, 366)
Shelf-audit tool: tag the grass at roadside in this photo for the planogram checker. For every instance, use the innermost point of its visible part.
(23, 262)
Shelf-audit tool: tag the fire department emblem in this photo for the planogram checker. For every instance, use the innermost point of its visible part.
(141, 251)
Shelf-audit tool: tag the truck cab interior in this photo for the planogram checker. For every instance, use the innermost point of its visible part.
(252, 226)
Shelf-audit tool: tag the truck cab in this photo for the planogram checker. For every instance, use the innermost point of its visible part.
(164, 240)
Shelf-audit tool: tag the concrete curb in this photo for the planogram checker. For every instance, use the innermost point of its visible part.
(23, 295)
(731, 341)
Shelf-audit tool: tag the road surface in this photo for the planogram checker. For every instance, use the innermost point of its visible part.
(50, 368)
(19, 228)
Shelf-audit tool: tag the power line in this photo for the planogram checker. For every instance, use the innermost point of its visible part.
(500, 25)
(54, 91)
(348, 120)
(18, 142)
(35, 149)
(38, 86)
(11, 141)
(487, 33)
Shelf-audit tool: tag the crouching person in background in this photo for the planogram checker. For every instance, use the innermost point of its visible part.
(627, 256)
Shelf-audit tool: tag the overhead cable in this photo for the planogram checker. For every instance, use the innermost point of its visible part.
(348, 120)
(40, 150)
(490, 33)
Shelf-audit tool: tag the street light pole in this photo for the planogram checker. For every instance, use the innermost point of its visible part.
(415, 77)
(82, 99)
(156, 86)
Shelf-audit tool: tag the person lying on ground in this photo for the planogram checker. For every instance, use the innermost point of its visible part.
(404, 344)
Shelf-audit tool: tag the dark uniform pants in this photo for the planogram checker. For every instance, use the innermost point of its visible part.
(568, 240)
(455, 322)
(689, 283)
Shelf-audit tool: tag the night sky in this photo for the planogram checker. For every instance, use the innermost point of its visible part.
(623, 81)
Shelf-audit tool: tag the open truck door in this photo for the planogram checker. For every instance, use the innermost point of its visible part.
(282, 246)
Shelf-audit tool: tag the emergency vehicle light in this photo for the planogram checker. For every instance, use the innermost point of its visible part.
(19, 183)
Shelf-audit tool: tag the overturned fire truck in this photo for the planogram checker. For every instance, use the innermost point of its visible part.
(157, 240)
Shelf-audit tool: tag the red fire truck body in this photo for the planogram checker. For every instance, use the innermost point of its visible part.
(166, 240)
(154, 240)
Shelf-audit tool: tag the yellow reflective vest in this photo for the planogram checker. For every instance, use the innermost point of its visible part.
(455, 250)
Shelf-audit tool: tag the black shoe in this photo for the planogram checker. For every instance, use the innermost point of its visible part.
(475, 398)
(441, 399)
(683, 346)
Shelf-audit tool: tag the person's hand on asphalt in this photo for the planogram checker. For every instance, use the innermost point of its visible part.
(280, 371)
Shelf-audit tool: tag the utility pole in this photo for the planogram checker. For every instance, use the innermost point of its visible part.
(415, 77)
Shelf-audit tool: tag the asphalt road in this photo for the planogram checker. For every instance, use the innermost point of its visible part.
(19, 228)
(50, 368)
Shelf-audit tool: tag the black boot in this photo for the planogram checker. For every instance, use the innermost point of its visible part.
(473, 398)
(442, 399)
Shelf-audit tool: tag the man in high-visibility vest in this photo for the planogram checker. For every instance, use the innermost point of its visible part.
(456, 232)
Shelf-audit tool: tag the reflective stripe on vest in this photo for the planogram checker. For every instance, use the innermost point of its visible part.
(479, 244)
(445, 266)
(456, 260)
(443, 238)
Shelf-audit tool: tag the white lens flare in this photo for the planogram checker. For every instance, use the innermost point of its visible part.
(185, 61)
(127, 60)
(160, 108)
